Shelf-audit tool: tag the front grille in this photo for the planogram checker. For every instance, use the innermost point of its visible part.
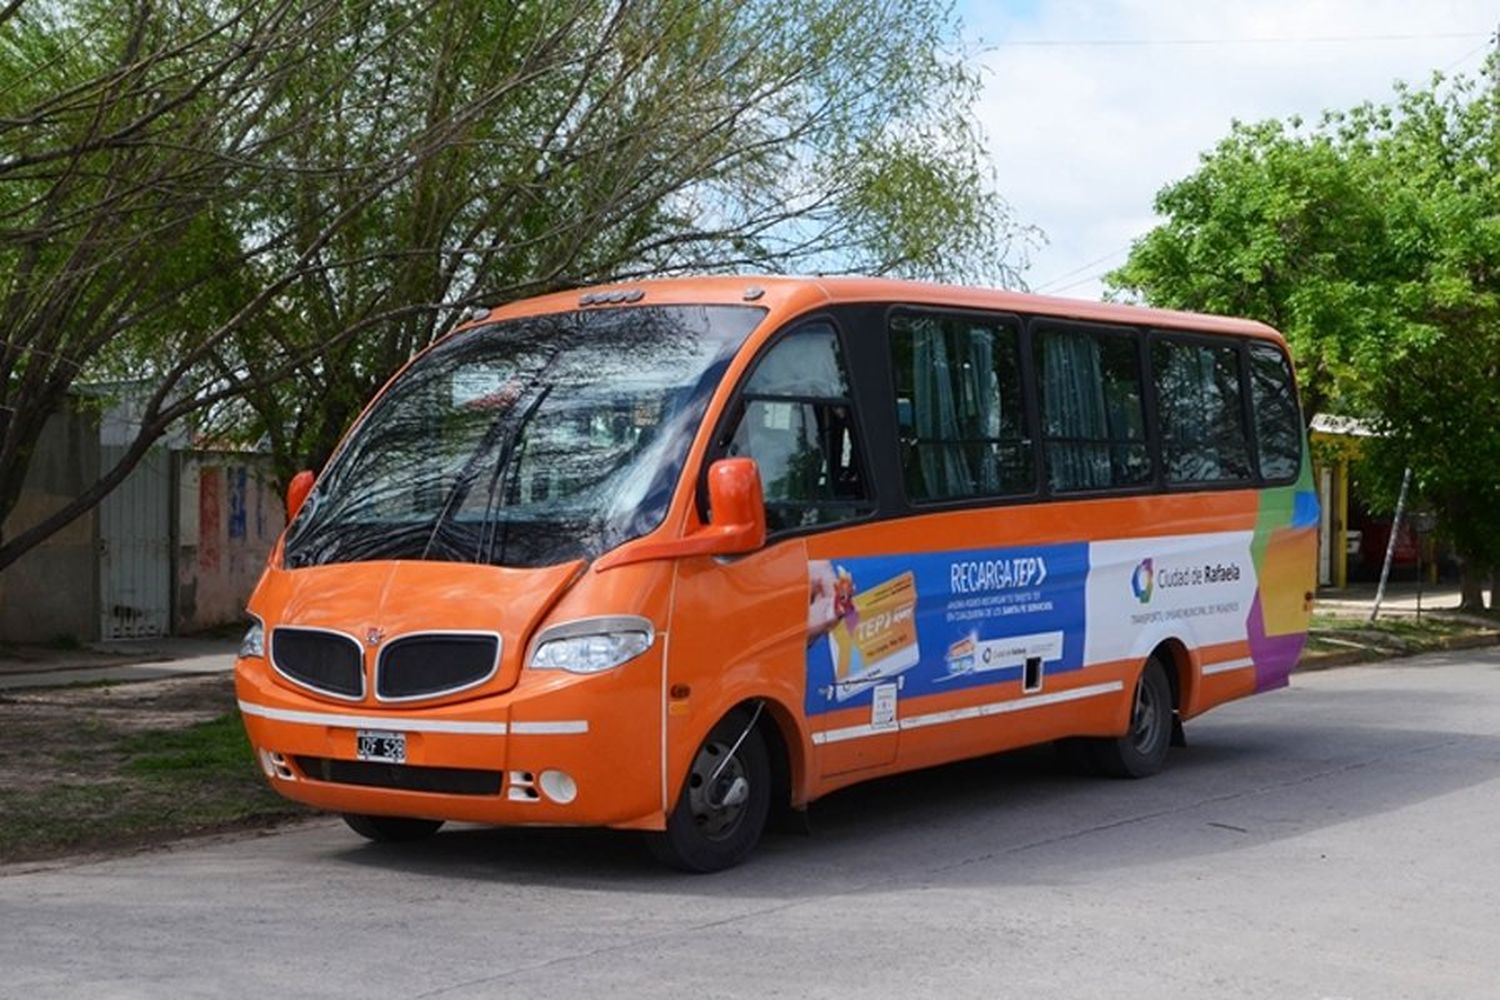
(420, 666)
(402, 777)
(324, 661)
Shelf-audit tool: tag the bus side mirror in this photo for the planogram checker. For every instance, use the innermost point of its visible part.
(737, 505)
(736, 521)
(296, 493)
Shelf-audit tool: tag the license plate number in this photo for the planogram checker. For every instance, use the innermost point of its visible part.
(380, 745)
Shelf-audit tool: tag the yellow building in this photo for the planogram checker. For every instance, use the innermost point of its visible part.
(1336, 442)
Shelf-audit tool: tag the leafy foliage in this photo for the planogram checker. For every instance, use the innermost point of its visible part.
(258, 212)
(1372, 240)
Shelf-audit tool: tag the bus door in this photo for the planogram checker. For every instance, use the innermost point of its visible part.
(755, 613)
(795, 414)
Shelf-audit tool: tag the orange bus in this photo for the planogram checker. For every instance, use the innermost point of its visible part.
(669, 557)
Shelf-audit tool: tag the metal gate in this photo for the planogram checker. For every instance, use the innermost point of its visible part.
(135, 548)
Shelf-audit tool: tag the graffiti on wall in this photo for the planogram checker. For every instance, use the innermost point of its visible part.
(231, 516)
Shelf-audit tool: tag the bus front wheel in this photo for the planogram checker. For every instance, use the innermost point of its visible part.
(722, 808)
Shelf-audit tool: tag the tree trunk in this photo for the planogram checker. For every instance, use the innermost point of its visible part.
(1495, 589)
(1472, 587)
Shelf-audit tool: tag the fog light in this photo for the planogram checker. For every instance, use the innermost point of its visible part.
(275, 765)
(522, 787)
(559, 786)
(283, 769)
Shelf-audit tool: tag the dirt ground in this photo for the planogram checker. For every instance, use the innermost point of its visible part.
(68, 734)
(118, 766)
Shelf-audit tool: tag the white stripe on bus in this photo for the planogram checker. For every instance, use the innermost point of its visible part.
(1228, 665)
(970, 712)
(562, 727)
(565, 727)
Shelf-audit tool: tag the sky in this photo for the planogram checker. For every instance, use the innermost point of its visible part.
(1089, 108)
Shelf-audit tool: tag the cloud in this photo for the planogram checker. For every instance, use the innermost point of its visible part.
(1083, 136)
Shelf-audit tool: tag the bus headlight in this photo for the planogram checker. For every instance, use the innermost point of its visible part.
(254, 643)
(591, 645)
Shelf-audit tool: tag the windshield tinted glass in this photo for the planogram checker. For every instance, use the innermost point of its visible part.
(525, 443)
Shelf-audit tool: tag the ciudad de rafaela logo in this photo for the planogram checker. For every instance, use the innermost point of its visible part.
(1141, 581)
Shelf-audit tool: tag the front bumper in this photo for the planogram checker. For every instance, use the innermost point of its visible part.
(602, 731)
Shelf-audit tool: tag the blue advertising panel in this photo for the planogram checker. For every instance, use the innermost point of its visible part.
(941, 621)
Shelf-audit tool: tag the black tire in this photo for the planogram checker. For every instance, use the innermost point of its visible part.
(701, 837)
(1142, 751)
(392, 829)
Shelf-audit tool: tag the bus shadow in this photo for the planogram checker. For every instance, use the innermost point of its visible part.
(1012, 818)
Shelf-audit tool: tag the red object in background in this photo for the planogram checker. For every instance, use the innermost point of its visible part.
(1375, 533)
(208, 519)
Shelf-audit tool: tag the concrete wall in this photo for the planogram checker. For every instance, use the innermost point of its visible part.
(228, 517)
(51, 593)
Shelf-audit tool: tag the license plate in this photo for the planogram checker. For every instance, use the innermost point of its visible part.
(380, 745)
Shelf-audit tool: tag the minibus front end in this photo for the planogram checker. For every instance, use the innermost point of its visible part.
(447, 630)
(448, 692)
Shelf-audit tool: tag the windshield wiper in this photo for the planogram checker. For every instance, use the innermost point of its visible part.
(466, 477)
(484, 551)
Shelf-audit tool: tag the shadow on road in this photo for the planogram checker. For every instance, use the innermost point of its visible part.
(1243, 783)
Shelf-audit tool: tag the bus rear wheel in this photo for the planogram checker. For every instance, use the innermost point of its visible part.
(722, 808)
(392, 829)
(1142, 751)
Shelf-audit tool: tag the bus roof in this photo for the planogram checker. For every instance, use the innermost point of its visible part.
(796, 294)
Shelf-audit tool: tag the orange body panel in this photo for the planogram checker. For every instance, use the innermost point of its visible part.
(729, 631)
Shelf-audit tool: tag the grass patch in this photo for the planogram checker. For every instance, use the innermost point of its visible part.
(216, 748)
(1428, 625)
(1330, 633)
(101, 784)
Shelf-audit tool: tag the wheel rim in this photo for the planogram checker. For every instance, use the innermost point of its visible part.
(1145, 720)
(705, 792)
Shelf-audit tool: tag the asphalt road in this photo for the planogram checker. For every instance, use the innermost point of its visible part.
(1338, 839)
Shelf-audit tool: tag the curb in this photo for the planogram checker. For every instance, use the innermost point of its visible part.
(1328, 661)
(65, 667)
(124, 673)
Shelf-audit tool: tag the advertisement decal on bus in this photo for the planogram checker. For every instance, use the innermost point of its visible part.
(941, 621)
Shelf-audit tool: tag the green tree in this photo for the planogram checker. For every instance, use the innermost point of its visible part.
(1276, 224)
(316, 190)
(128, 132)
(659, 137)
(1372, 240)
(1435, 386)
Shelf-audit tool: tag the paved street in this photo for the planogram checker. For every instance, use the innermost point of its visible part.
(1338, 839)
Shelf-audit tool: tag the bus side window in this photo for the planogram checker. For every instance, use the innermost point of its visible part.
(797, 422)
(959, 412)
(1203, 434)
(1093, 421)
(1278, 425)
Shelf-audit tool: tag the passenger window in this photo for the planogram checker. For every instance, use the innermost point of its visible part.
(959, 410)
(1203, 435)
(1278, 424)
(797, 422)
(1093, 422)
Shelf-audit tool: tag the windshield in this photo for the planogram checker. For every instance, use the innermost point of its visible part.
(525, 443)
